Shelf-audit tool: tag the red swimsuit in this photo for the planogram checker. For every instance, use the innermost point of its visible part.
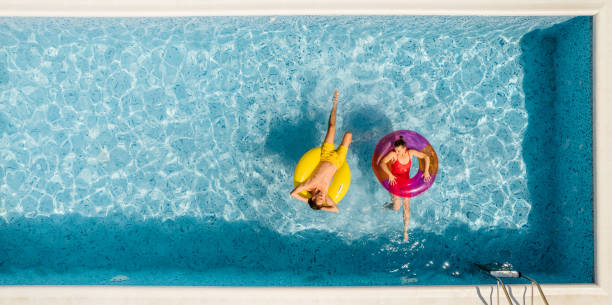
(400, 170)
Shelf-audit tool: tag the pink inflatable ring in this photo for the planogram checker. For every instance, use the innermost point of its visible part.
(406, 186)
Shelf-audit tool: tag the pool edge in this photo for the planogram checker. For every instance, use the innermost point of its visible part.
(599, 293)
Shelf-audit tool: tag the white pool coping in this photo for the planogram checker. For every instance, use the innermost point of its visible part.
(591, 294)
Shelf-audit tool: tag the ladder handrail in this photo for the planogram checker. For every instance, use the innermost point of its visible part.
(499, 281)
(538, 286)
(498, 274)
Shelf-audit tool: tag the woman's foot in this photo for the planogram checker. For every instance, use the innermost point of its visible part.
(405, 236)
(387, 206)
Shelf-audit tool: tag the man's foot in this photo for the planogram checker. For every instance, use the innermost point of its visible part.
(405, 236)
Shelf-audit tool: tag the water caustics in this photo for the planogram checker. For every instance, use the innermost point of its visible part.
(207, 117)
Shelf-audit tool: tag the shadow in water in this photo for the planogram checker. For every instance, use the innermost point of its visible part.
(539, 149)
(290, 138)
(368, 125)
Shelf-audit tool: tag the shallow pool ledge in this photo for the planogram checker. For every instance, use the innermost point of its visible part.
(598, 293)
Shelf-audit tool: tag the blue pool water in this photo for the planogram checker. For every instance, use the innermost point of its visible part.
(154, 151)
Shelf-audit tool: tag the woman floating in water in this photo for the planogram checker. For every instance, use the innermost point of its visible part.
(400, 170)
(318, 183)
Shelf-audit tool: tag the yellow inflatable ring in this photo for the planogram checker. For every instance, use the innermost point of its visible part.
(309, 161)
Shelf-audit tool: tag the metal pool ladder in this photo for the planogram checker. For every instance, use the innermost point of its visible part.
(503, 273)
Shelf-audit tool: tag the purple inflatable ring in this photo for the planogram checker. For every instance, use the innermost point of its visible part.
(405, 186)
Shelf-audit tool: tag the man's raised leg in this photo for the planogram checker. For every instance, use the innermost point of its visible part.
(331, 128)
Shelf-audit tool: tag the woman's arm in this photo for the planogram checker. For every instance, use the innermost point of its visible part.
(383, 165)
(421, 155)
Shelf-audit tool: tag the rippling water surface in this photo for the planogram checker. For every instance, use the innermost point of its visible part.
(202, 120)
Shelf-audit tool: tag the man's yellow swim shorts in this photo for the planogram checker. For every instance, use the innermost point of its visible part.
(336, 157)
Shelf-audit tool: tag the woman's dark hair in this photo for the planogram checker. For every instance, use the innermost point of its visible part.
(399, 142)
(313, 205)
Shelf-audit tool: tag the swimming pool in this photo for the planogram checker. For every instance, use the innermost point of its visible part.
(141, 145)
(351, 236)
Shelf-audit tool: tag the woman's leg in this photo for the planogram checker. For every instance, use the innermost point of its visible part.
(397, 202)
(406, 216)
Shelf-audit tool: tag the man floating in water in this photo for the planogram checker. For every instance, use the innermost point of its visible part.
(331, 160)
